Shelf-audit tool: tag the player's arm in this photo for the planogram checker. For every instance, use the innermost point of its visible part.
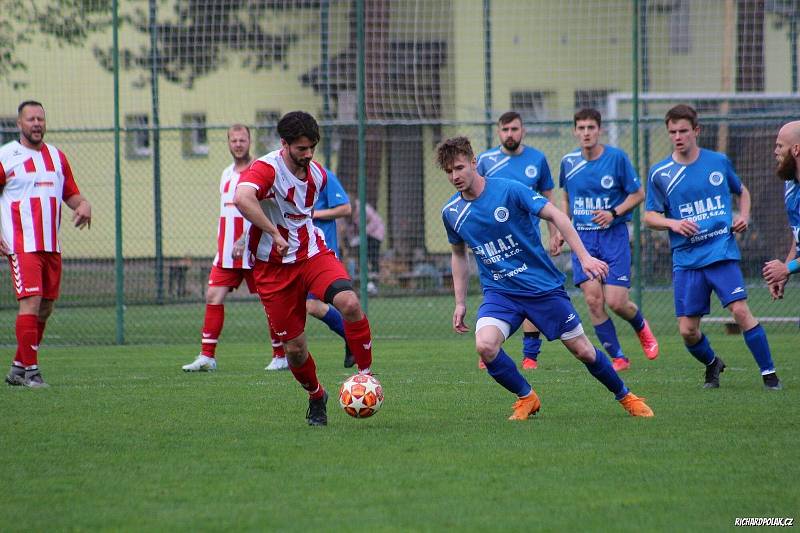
(776, 272)
(4, 248)
(333, 213)
(593, 267)
(460, 267)
(742, 220)
(605, 217)
(81, 210)
(657, 221)
(246, 200)
(556, 240)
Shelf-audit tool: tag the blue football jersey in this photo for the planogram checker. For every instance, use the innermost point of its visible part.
(529, 168)
(791, 196)
(597, 185)
(333, 195)
(499, 227)
(701, 192)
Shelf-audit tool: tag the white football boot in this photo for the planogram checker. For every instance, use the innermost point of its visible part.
(277, 363)
(203, 363)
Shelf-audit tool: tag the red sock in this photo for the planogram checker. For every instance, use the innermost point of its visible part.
(27, 345)
(212, 327)
(306, 375)
(359, 340)
(40, 331)
(277, 346)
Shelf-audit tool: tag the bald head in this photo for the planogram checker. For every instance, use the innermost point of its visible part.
(787, 151)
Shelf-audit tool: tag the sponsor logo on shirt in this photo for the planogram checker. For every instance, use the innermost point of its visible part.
(43, 184)
(293, 216)
(702, 209)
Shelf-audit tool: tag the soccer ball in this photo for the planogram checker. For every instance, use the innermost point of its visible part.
(361, 395)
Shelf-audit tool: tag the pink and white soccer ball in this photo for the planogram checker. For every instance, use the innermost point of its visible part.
(361, 396)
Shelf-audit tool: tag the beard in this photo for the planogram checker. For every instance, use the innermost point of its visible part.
(787, 168)
(300, 162)
(511, 145)
(29, 136)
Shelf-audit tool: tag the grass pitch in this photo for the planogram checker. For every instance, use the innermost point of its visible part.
(123, 440)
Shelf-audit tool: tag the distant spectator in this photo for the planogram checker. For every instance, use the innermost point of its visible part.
(376, 231)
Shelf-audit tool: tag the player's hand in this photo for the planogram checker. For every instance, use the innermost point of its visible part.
(82, 216)
(280, 244)
(4, 249)
(458, 319)
(556, 243)
(740, 224)
(687, 228)
(775, 271)
(238, 249)
(602, 218)
(594, 268)
(776, 290)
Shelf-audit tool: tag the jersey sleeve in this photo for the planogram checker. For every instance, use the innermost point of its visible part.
(546, 180)
(70, 187)
(335, 193)
(630, 179)
(2, 176)
(655, 199)
(260, 176)
(734, 182)
(527, 200)
(452, 236)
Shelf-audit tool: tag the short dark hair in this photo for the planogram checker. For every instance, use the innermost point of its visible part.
(588, 113)
(239, 127)
(296, 124)
(508, 116)
(681, 112)
(449, 149)
(27, 103)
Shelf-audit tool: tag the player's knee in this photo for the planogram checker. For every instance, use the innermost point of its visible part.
(690, 333)
(486, 349)
(315, 308)
(741, 312)
(618, 305)
(595, 304)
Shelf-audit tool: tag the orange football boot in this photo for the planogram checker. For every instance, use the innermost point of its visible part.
(526, 407)
(636, 406)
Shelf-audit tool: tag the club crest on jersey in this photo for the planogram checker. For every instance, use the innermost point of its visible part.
(607, 181)
(715, 178)
(531, 171)
(501, 214)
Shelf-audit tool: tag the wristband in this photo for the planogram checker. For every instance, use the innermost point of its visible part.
(793, 266)
(613, 212)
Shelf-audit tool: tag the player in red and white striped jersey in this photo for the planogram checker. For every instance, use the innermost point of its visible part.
(35, 177)
(277, 194)
(233, 261)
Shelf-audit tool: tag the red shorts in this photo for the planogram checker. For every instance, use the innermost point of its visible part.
(283, 289)
(231, 277)
(36, 274)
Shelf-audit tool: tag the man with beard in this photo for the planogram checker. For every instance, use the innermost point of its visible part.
(35, 177)
(690, 194)
(601, 190)
(277, 195)
(516, 161)
(787, 153)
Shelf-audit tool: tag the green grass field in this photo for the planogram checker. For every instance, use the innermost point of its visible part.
(123, 440)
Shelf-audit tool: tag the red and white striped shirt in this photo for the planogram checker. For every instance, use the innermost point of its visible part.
(231, 225)
(34, 183)
(289, 203)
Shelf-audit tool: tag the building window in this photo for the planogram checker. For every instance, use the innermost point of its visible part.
(137, 136)
(194, 137)
(8, 130)
(266, 135)
(594, 99)
(534, 106)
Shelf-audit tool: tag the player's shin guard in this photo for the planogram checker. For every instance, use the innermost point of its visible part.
(607, 335)
(702, 351)
(333, 319)
(359, 340)
(27, 343)
(212, 327)
(603, 372)
(756, 340)
(505, 372)
(306, 375)
(531, 345)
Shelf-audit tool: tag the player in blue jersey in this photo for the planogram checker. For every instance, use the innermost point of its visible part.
(601, 190)
(497, 220)
(690, 194)
(527, 165)
(332, 203)
(787, 154)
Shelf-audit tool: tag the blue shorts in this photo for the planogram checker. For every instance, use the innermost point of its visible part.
(611, 245)
(693, 287)
(552, 312)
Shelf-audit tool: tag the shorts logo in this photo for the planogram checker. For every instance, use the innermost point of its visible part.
(607, 181)
(531, 171)
(622, 278)
(501, 214)
(737, 290)
(715, 178)
(570, 318)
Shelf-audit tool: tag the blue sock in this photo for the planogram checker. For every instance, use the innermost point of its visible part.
(702, 351)
(607, 334)
(531, 345)
(602, 370)
(505, 372)
(756, 340)
(333, 319)
(637, 321)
